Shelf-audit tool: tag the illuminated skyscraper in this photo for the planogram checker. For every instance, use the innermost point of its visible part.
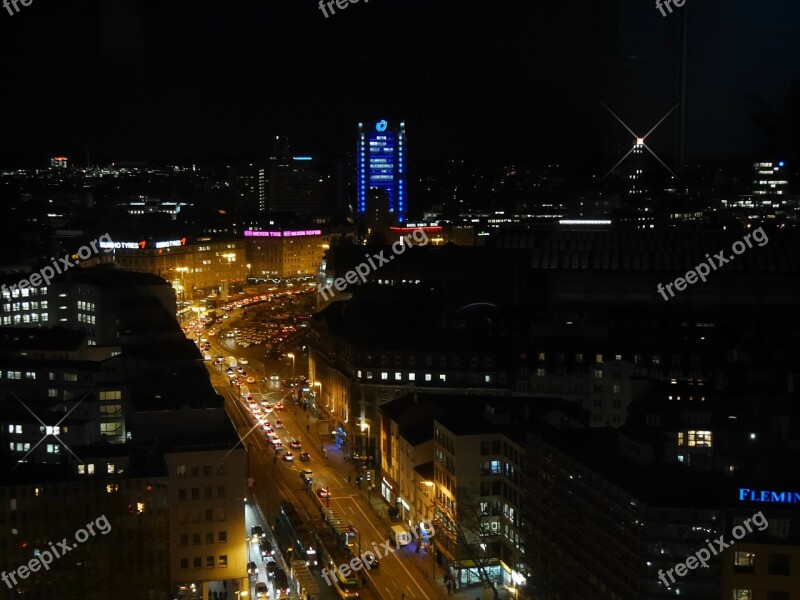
(381, 164)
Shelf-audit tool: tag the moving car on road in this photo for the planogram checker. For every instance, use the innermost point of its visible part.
(266, 549)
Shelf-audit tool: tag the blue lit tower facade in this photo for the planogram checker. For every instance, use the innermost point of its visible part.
(381, 164)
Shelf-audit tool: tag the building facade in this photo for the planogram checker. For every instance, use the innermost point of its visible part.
(381, 164)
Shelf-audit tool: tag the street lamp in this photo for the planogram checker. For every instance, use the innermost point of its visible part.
(290, 355)
(365, 449)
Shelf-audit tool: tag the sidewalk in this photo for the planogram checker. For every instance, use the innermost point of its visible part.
(423, 562)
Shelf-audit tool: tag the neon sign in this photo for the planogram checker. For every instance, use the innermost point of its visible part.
(171, 243)
(768, 496)
(122, 245)
(381, 125)
(141, 245)
(250, 233)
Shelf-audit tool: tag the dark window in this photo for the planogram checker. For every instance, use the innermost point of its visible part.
(778, 564)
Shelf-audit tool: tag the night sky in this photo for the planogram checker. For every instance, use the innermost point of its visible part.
(499, 79)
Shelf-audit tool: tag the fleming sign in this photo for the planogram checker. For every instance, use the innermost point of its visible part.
(768, 496)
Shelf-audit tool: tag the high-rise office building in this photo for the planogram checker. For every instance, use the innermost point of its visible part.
(770, 178)
(381, 164)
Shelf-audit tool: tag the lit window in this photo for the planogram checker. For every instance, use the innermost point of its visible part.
(701, 439)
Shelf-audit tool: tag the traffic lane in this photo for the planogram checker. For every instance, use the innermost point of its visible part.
(263, 468)
(348, 504)
(408, 581)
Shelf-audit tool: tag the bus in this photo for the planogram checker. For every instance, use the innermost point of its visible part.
(293, 534)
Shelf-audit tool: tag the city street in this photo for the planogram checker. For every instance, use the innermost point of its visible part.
(402, 572)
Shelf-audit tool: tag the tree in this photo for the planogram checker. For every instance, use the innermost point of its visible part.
(465, 526)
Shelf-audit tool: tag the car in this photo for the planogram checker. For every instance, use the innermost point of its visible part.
(274, 377)
(272, 566)
(252, 569)
(239, 370)
(278, 424)
(304, 457)
(280, 581)
(323, 492)
(306, 474)
(243, 361)
(295, 445)
(371, 560)
(251, 380)
(277, 445)
(280, 406)
(288, 456)
(256, 532)
(261, 590)
(266, 549)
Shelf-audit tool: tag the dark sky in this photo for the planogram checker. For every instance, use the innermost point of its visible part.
(140, 79)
